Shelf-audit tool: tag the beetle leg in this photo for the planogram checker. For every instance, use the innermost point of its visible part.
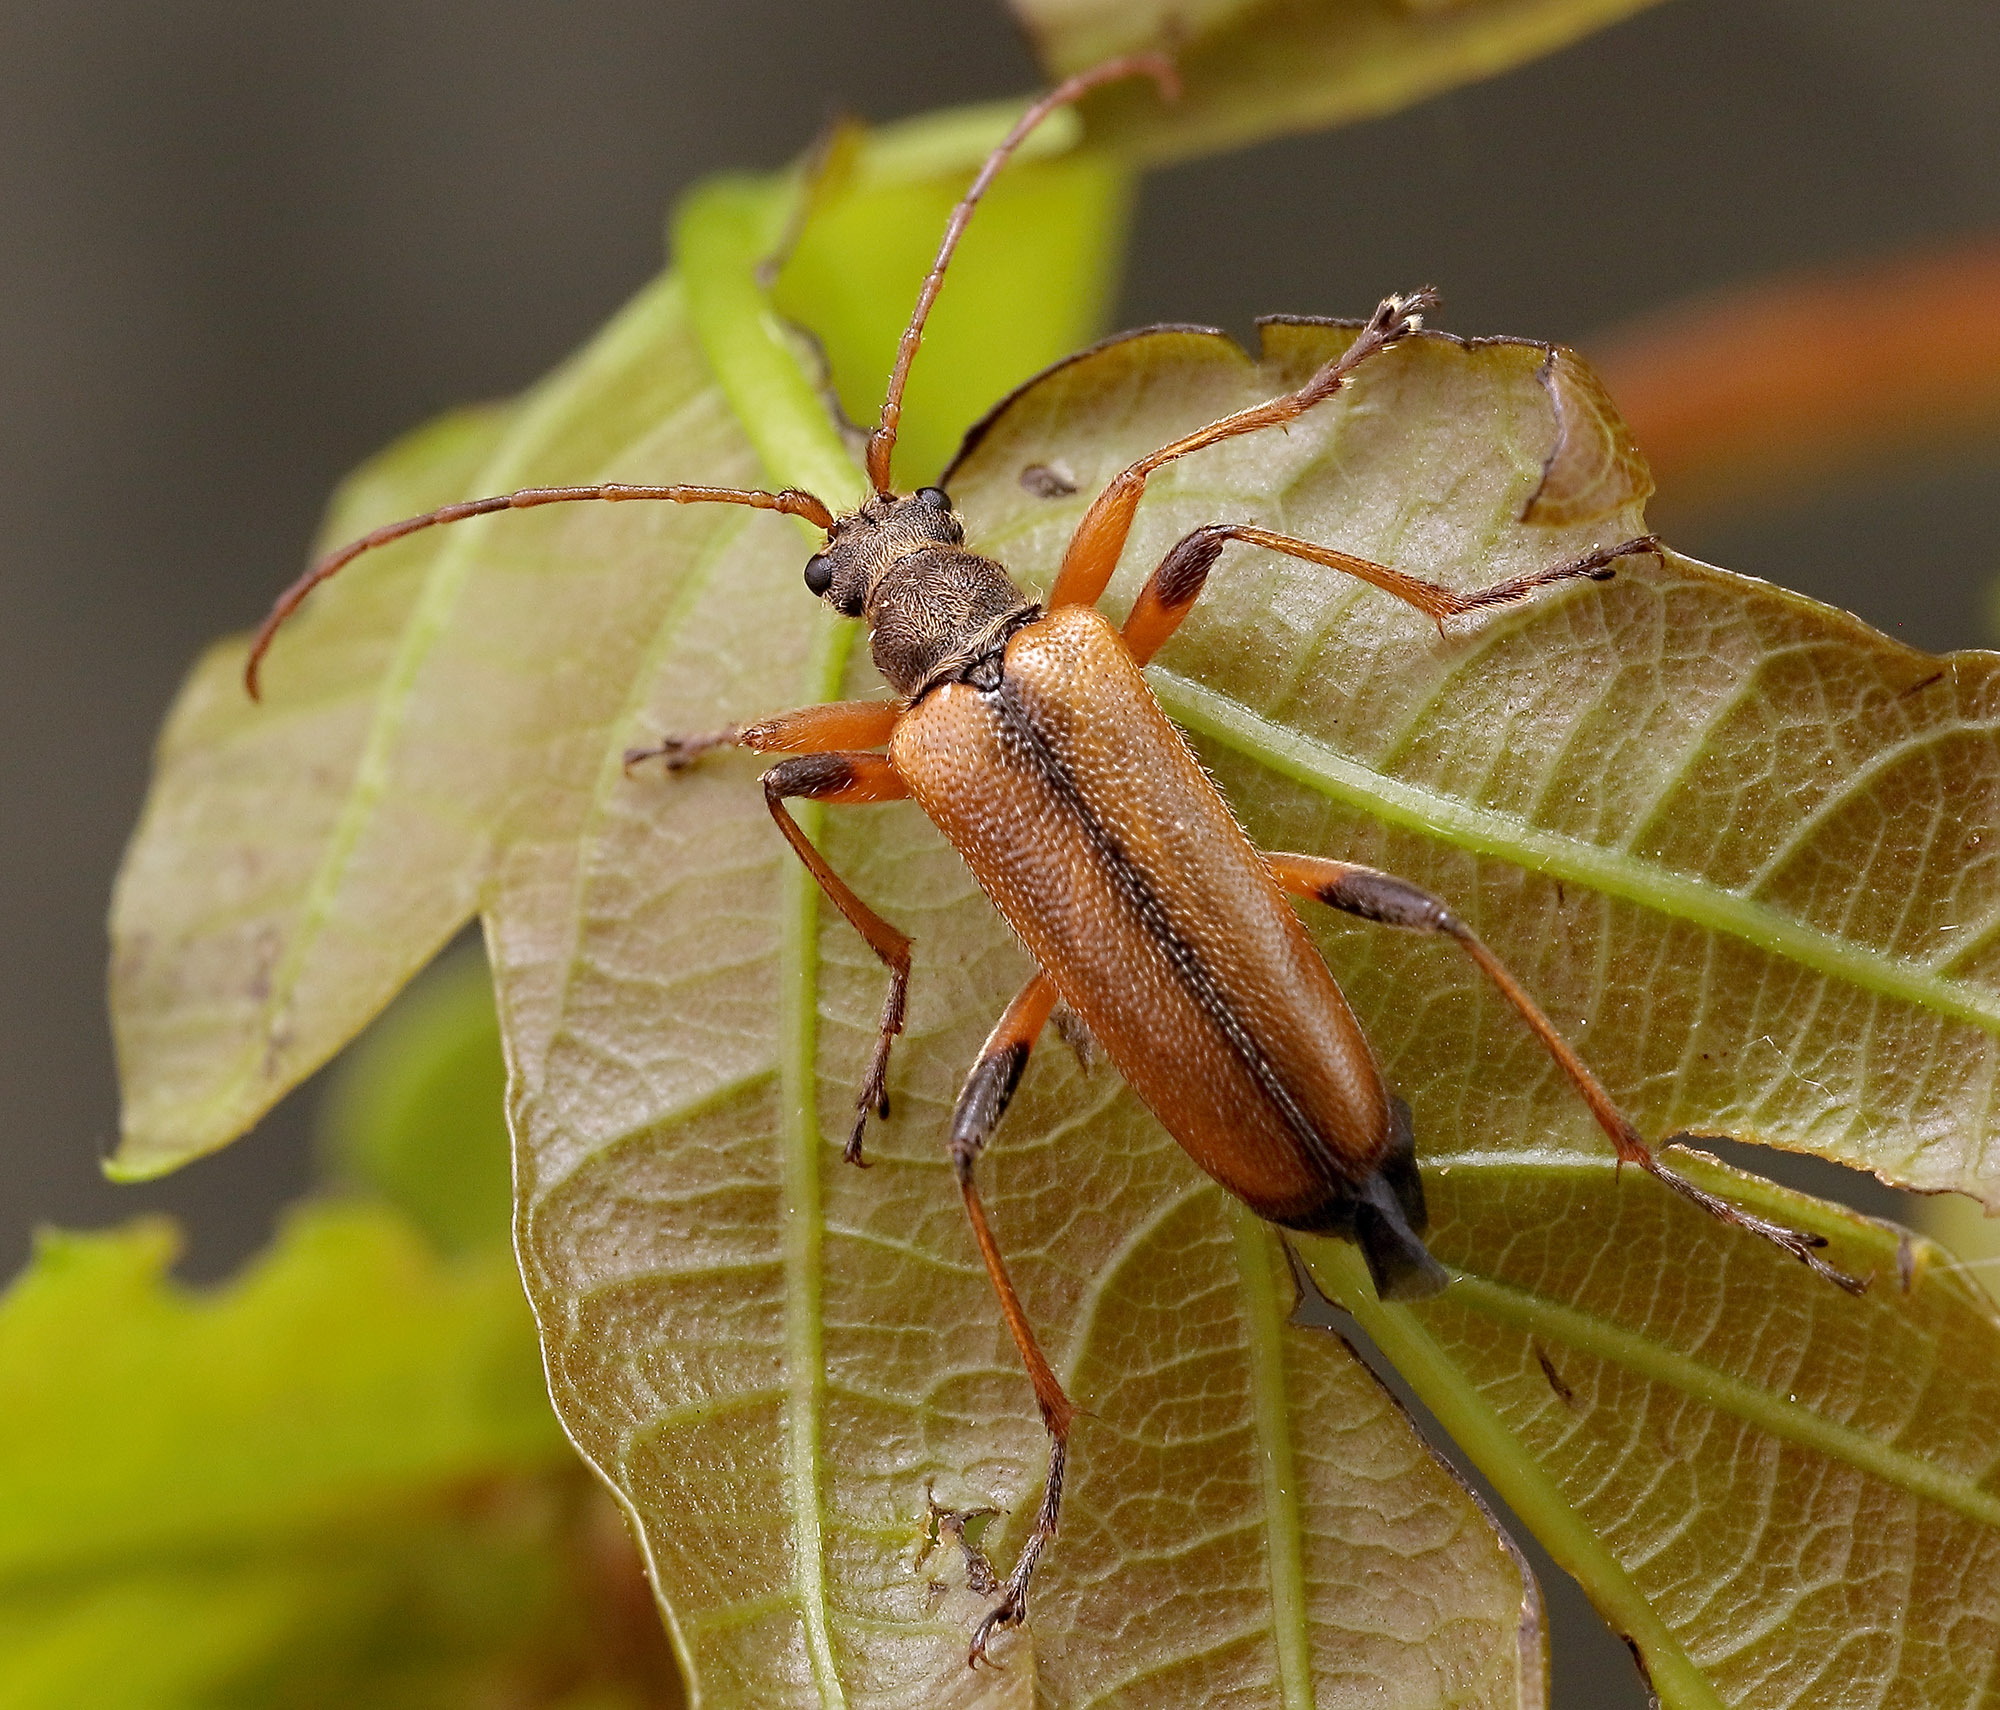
(1383, 897)
(836, 725)
(850, 778)
(1099, 539)
(981, 1103)
(1171, 591)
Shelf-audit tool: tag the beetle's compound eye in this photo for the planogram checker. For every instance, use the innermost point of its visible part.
(936, 497)
(819, 573)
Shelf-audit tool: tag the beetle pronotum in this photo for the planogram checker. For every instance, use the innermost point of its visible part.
(1026, 732)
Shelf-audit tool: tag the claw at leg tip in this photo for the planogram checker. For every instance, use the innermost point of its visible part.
(995, 1619)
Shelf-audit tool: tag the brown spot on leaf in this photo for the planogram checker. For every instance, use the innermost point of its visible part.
(264, 964)
(1918, 687)
(1556, 1383)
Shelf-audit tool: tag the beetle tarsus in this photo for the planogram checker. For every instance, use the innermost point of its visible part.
(681, 752)
(1401, 314)
(1006, 1613)
(1802, 1244)
(874, 1094)
(1012, 1609)
(1600, 565)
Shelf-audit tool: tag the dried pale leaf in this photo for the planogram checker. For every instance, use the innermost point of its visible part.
(1259, 68)
(445, 712)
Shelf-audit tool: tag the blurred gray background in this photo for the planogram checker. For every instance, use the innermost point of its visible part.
(243, 245)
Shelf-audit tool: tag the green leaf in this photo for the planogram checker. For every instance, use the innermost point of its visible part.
(1253, 69)
(336, 1481)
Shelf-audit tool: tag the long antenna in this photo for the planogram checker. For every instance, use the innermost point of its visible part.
(882, 442)
(792, 502)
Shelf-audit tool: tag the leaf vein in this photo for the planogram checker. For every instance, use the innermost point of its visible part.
(1488, 832)
(1727, 1393)
(1284, 1547)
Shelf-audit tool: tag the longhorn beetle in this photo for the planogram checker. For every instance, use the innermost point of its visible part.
(1027, 733)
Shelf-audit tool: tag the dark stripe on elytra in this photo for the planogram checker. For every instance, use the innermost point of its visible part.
(1182, 956)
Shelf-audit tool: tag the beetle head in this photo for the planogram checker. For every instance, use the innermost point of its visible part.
(900, 563)
(863, 545)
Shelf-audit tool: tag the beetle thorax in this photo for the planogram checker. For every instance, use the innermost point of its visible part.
(933, 609)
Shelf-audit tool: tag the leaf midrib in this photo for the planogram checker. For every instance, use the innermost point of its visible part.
(803, 1233)
(1271, 1401)
(1616, 873)
(1520, 1478)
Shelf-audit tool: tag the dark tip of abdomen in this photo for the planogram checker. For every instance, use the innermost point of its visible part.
(1389, 1219)
(1398, 1261)
(1384, 1216)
